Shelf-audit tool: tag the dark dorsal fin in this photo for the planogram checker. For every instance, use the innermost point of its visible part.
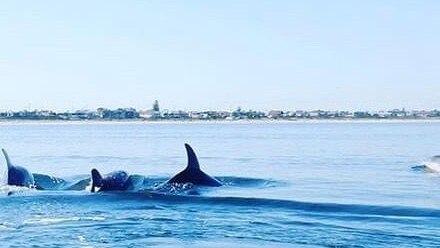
(192, 173)
(193, 163)
(8, 161)
(96, 179)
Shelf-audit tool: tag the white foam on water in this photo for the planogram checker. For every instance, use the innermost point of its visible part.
(89, 187)
(432, 166)
(10, 189)
(51, 221)
(95, 218)
(6, 226)
(83, 242)
(3, 172)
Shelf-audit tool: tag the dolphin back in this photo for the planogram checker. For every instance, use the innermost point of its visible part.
(19, 176)
(117, 180)
(195, 177)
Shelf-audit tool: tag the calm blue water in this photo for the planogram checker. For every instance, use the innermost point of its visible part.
(286, 185)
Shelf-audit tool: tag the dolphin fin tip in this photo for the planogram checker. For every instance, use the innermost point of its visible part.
(193, 162)
(5, 154)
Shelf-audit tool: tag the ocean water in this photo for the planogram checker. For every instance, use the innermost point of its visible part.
(285, 185)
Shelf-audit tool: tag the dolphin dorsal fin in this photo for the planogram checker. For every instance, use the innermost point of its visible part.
(193, 163)
(8, 161)
(96, 179)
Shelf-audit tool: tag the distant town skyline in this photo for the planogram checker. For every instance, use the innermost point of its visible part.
(217, 55)
(157, 114)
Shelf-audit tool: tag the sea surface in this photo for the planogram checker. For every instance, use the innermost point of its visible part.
(285, 185)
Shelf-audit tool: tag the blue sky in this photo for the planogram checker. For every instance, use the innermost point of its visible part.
(220, 54)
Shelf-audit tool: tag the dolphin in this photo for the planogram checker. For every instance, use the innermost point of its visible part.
(192, 173)
(115, 181)
(17, 175)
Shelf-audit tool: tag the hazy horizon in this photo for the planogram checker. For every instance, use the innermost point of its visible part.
(194, 55)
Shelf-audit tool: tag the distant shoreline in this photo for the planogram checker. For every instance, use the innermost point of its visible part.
(226, 122)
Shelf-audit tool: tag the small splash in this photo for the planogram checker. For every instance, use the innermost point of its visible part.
(89, 187)
(433, 167)
(83, 242)
(430, 165)
(8, 190)
(177, 188)
(3, 173)
(5, 226)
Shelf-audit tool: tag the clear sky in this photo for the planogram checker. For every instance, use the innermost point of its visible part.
(196, 55)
